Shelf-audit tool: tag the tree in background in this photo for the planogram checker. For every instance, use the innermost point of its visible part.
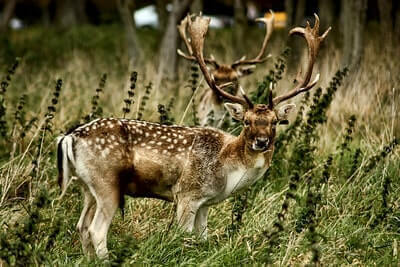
(6, 15)
(240, 25)
(352, 21)
(169, 43)
(125, 9)
(70, 13)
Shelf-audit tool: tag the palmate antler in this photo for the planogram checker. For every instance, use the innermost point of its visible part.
(269, 23)
(197, 31)
(182, 32)
(313, 42)
(269, 27)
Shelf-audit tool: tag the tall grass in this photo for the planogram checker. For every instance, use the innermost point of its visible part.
(331, 195)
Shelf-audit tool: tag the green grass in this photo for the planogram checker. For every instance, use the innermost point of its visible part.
(331, 196)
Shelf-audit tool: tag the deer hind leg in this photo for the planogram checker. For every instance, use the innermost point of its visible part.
(200, 224)
(186, 212)
(89, 207)
(107, 202)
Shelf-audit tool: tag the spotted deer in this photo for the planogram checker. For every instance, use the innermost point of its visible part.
(195, 167)
(226, 76)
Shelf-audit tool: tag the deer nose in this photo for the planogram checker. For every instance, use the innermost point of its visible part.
(262, 141)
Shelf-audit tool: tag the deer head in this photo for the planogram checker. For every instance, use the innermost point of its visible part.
(259, 120)
(224, 73)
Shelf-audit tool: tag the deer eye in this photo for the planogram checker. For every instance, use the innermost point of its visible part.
(246, 122)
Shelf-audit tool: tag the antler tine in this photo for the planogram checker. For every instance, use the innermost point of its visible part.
(197, 31)
(313, 42)
(269, 27)
(182, 32)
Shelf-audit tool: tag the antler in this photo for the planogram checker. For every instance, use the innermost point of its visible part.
(197, 31)
(182, 32)
(269, 27)
(313, 41)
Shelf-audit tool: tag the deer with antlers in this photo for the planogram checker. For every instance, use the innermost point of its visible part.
(226, 76)
(194, 167)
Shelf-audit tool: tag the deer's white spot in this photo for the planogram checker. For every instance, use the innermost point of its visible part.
(102, 141)
(86, 129)
(135, 142)
(152, 142)
(94, 127)
(112, 137)
(148, 147)
(154, 135)
(158, 132)
(163, 137)
(139, 139)
(180, 136)
(159, 143)
(169, 140)
(175, 141)
(174, 134)
(90, 142)
(165, 151)
(105, 152)
(146, 134)
(184, 141)
(170, 146)
(97, 140)
(155, 150)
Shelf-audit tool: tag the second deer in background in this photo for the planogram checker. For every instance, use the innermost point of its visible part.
(226, 76)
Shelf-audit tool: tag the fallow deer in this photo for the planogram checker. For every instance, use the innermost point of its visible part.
(194, 167)
(225, 75)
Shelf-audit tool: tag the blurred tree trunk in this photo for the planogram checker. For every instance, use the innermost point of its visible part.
(300, 12)
(385, 17)
(353, 16)
(70, 12)
(125, 9)
(289, 8)
(397, 23)
(168, 56)
(6, 15)
(326, 12)
(240, 26)
(161, 8)
(196, 6)
(44, 7)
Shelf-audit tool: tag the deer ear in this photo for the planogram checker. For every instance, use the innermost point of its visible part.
(236, 110)
(284, 111)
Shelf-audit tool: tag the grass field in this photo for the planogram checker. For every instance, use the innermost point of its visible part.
(331, 196)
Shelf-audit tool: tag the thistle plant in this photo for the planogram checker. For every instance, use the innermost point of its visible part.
(386, 150)
(96, 110)
(348, 136)
(47, 127)
(164, 115)
(3, 89)
(131, 93)
(144, 100)
(194, 85)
